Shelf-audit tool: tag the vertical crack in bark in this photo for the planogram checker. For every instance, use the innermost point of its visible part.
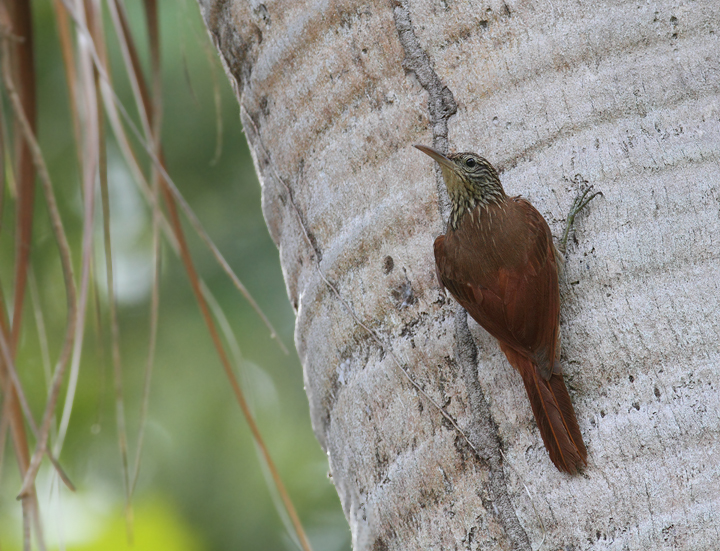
(482, 432)
(441, 102)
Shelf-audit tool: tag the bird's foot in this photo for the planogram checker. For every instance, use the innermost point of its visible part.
(580, 203)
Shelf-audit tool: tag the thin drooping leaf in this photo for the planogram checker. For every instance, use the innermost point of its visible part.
(171, 195)
(95, 24)
(88, 154)
(154, 313)
(3, 167)
(22, 73)
(19, 406)
(100, 342)
(4, 424)
(25, 128)
(114, 325)
(153, 33)
(237, 359)
(12, 411)
(66, 48)
(141, 95)
(21, 62)
(117, 112)
(13, 414)
(170, 202)
(240, 397)
(41, 330)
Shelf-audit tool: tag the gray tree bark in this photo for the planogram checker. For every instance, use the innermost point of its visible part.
(621, 95)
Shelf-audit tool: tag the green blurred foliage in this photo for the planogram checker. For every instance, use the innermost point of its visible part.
(201, 485)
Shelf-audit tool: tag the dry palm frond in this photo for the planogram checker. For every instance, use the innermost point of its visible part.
(93, 104)
(18, 78)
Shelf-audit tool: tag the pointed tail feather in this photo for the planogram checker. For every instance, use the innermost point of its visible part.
(562, 399)
(554, 415)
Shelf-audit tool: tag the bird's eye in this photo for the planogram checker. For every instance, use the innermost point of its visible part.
(470, 162)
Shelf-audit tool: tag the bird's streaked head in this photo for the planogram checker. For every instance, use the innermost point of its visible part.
(470, 180)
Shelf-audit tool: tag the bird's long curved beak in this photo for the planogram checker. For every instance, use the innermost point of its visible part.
(436, 155)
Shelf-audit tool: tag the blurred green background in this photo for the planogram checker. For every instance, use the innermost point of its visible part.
(201, 485)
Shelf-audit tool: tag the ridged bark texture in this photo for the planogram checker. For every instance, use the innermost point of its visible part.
(621, 95)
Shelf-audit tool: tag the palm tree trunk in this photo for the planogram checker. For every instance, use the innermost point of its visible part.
(428, 431)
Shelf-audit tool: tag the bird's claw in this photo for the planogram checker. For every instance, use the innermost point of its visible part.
(580, 203)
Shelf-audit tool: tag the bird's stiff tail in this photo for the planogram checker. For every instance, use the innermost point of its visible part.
(554, 415)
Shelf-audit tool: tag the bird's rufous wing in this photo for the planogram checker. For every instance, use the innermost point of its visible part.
(517, 301)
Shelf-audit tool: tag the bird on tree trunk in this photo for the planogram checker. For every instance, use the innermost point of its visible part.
(498, 260)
